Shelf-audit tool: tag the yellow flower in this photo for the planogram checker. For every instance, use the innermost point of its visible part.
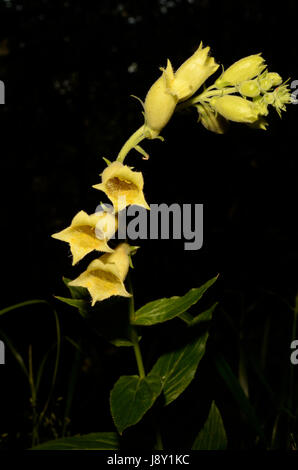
(87, 233)
(170, 88)
(104, 276)
(249, 88)
(244, 69)
(160, 103)
(193, 73)
(210, 120)
(235, 108)
(123, 186)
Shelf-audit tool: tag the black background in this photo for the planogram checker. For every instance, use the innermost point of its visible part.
(68, 74)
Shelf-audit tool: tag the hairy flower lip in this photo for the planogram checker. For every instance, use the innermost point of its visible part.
(123, 186)
(81, 235)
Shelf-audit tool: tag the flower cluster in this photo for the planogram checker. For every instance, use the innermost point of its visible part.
(242, 93)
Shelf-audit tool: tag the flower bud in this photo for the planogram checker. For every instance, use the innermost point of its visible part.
(160, 103)
(235, 108)
(275, 78)
(244, 69)
(249, 88)
(193, 73)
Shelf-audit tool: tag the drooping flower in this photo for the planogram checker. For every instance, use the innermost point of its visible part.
(171, 88)
(104, 277)
(235, 108)
(242, 70)
(87, 233)
(123, 186)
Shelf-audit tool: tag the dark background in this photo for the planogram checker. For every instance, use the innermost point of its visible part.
(69, 69)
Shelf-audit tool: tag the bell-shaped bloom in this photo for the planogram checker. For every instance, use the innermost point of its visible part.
(171, 88)
(193, 73)
(104, 277)
(82, 234)
(123, 186)
(235, 108)
(242, 70)
(211, 120)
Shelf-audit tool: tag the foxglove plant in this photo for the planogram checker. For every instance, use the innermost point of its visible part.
(243, 93)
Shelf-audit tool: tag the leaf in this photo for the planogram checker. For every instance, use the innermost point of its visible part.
(213, 435)
(119, 342)
(131, 397)
(93, 441)
(162, 310)
(80, 304)
(177, 368)
(200, 318)
(22, 304)
(236, 390)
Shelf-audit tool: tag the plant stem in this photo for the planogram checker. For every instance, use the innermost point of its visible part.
(35, 438)
(206, 95)
(133, 333)
(132, 142)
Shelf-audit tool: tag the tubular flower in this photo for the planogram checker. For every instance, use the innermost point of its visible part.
(193, 73)
(123, 186)
(160, 103)
(244, 69)
(104, 276)
(210, 120)
(235, 108)
(82, 233)
(171, 88)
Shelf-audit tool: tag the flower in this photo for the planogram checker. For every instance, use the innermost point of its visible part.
(82, 234)
(235, 108)
(172, 88)
(244, 69)
(160, 103)
(210, 120)
(268, 80)
(104, 276)
(249, 88)
(193, 73)
(123, 186)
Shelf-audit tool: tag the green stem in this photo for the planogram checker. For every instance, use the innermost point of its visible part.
(206, 96)
(133, 333)
(35, 438)
(132, 142)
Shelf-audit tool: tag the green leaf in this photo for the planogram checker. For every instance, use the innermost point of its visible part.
(119, 342)
(131, 397)
(200, 318)
(232, 383)
(93, 441)
(177, 368)
(165, 309)
(22, 304)
(213, 435)
(80, 304)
